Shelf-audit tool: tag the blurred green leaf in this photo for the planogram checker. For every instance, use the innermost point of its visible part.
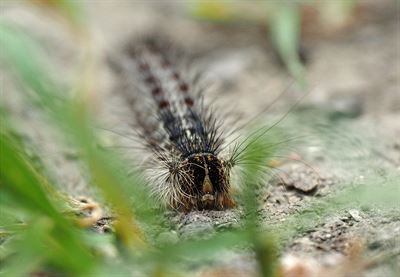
(204, 248)
(253, 155)
(73, 118)
(19, 179)
(25, 58)
(285, 27)
(30, 249)
(212, 10)
(24, 186)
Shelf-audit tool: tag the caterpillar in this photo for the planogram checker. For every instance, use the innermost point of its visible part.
(187, 169)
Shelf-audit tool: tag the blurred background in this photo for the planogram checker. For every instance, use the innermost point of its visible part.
(344, 55)
(344, 50)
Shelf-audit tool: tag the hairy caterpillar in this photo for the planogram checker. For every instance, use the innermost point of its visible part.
(187, 169)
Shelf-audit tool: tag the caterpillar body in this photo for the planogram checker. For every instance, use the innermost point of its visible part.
(186, 170)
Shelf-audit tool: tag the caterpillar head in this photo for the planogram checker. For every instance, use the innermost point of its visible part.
(204, 181)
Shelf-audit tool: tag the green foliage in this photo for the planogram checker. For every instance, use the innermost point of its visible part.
(46, 231)
(285, 33)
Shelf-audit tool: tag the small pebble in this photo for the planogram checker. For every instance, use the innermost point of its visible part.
(71, 155)
(196, 230)
(350, 106)
(170, 237)
(306, 186)
(355, 214)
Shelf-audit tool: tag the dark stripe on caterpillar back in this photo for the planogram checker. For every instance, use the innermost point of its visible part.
(189, 126)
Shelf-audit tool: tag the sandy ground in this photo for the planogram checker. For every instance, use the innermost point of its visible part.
(354, 90)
